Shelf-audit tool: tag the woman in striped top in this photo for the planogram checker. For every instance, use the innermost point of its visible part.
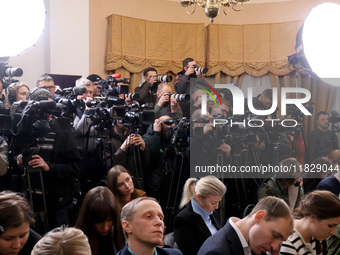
(316, 218)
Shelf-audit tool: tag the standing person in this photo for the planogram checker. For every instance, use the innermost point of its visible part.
(197, 221)
(16, 217)
(167, 104)
(316, 219)
(182, 82)
(142, 222)
(2, 96)
(99, 220)
(95, 78)
(321, 141)
(120, 182)
(55, 154)
(16, 92)
(63, 241)
(45, 81)
(263, 230)
(147, 89)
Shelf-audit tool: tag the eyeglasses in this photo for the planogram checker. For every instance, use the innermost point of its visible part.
(49, 87)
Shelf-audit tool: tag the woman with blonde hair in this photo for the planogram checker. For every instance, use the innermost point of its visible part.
(16, 92)
(119, 181)
(316, 218)
(100, 221)
(63, 241)
(197, 221)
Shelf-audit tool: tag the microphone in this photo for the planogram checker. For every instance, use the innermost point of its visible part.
(79, 90)
(115, 75)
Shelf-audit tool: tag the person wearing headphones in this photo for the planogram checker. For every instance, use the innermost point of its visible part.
(16, 92)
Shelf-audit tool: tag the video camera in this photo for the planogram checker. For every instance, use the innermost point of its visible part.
(110, 87)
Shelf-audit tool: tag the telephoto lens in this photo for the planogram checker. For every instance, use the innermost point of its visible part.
(164, 78)
(181, 97)
(132, 96)
(202, 70)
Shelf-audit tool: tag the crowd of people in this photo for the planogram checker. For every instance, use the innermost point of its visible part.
(93, 181)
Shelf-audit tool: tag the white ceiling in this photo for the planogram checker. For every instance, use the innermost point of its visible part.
(254, 1)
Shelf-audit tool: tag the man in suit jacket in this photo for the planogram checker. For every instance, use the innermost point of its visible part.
(142, 222)
(263, 230)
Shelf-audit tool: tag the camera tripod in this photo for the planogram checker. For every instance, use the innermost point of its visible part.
(177, 180)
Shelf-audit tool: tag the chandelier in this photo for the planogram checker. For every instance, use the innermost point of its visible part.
(212, 7)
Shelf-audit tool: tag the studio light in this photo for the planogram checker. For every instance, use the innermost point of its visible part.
(319, 40)
(21, 24)
(212, 7)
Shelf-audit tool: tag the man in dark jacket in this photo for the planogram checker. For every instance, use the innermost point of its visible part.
(263, 230)
(142, 222)
(55, 154)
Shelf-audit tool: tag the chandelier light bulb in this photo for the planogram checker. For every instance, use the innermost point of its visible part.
(21, 24)
(321, 40)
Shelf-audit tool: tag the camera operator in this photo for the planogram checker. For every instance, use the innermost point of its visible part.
(167, 104)
(146, 90)
(157, 141)
(86, 137)
(182, 81)
(272, 139)
(55, 153)
(3, 156)
(95, 78)
(321, 141)
(45, 81)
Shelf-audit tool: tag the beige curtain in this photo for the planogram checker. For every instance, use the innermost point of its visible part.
(322, 93)
(135, 44)
(253, 49)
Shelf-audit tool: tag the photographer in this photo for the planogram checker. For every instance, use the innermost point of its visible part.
(146, 90)
(130, 150)
(182, 81)
(54, 152)
(86, 137)
(167, 104)
(321, 141)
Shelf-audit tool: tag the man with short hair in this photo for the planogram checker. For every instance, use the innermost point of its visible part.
(142, 222)
(321, 141)
(167, 104)
(45, 81)
(263, 230)
(182, 82)
(95, 78)
(147, 89)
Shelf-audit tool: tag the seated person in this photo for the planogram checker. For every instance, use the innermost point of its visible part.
(142, 222)
(62, 241)
(16, 217)
(99, 220)
(197, 221)
(263, 230)
(316, 218)
(284, 185)
(120, 182)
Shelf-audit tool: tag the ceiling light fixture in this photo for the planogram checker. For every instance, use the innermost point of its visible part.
(212, 7)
